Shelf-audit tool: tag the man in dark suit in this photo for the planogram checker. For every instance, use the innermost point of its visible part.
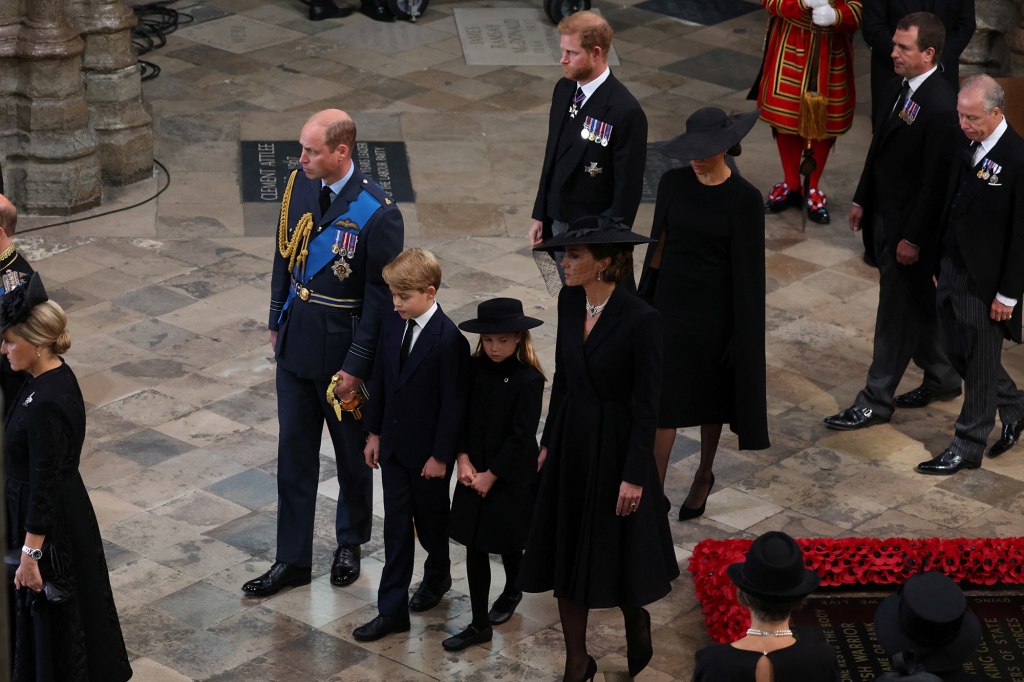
(338, 230)
(14, 271)
(417, 403)
(981, 276)
(901, 191)
(597, 136)
(879, 23)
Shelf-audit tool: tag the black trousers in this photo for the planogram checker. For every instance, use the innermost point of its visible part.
(301, 411)
(413, 507)
(905, 329)
(975, 346)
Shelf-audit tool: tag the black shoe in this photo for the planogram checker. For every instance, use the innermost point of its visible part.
(816, 211)
(638, 660)
(376, 10)
(345, 568)
(280, 576)
(471, 635)
(328, 10)
(591, 672)
(1011, 434)
(428, 596)
(504, 607)
(381, 626)
(854, 418)
(781, 197)
(946, 464)
(687, 513)
(921, 397)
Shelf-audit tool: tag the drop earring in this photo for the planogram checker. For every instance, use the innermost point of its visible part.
(598, 275)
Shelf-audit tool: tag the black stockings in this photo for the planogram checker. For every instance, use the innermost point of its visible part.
(478, 571)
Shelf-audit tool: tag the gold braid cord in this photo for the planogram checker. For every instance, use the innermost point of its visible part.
(295, 248)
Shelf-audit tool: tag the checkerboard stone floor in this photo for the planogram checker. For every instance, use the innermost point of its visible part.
(168, 306)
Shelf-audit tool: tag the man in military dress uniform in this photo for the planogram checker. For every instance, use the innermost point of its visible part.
(337, 232)
(14, 271)
(597, 136)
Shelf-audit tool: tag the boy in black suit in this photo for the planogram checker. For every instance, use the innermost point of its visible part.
(413, 417)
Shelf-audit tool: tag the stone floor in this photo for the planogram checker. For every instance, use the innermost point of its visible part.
(168, 306)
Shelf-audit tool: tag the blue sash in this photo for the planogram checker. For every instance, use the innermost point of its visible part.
(320, 253)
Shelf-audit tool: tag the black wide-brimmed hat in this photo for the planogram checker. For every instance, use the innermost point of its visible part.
(594, 229)
(774, 570)
(500, 316)
(929, 616)
(709, 131)
(16, 304)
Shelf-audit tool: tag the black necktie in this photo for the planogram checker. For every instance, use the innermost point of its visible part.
(902, 99)
(969, 155)
(325, 200)
(406, 344)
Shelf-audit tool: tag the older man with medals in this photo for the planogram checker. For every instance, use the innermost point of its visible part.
(337, 231)
(14, 271)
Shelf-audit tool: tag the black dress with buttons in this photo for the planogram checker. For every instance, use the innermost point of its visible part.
(500, 435)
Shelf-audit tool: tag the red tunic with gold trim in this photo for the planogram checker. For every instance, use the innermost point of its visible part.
(789, 39)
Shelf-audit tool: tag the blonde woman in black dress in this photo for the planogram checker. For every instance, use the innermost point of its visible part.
(70, 634)
(706, 278)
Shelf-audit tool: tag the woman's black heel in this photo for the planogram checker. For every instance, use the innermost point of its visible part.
(687, 513)
(638, 663)
(591, 671)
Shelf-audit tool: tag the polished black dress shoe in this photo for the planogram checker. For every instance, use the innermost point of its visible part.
(641, 653)
(504, 607)
(319, 10)
(946, 464)
(1011, 434)
(922, 397)
(376, 10)
(428, 596)
(381, 626)
(280, 576)
(854, 418)
(469, 636)
(345, 568)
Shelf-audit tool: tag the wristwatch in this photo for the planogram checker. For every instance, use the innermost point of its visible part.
(36, 554)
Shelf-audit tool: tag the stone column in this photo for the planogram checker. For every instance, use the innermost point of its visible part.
(52, 166)
(113, 89)
(998, 44)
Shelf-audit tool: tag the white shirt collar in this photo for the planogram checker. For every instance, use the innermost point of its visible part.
(916, 81)
(985, 146)
(422, 320)
(593, 85)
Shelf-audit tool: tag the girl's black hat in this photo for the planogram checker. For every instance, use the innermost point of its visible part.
(499, 316)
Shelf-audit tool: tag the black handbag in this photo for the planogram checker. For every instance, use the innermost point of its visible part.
(54, 588)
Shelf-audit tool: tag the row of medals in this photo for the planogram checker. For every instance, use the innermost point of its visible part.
(344, 246)
(588, 134)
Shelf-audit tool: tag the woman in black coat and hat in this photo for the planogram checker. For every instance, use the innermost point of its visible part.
(64, 625)
(497, 461)
(927, 630)
(771, 583)
(706, 278)
(599, 537)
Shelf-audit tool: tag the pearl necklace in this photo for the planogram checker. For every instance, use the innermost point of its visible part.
(595, 310)
(769, 633)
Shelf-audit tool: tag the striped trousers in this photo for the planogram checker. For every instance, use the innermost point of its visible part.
(974, 344)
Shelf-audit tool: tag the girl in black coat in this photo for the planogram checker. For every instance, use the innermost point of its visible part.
(497, 460)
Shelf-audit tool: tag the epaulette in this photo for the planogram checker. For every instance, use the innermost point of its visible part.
(378, 192)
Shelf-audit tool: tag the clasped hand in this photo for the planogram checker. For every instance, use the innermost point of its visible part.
(479, 481)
